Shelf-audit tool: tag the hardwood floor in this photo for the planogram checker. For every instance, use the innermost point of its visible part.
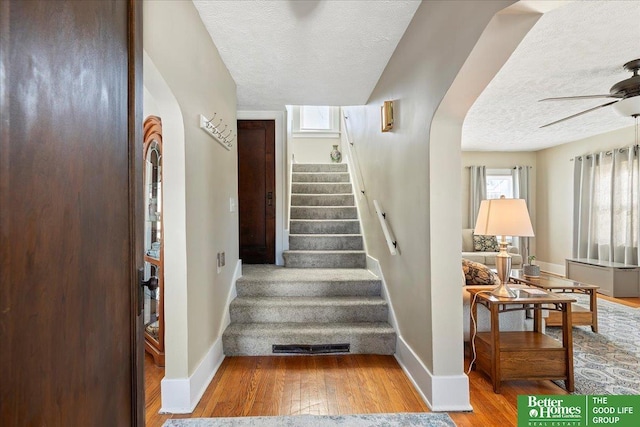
(331, 385)
(631, 301)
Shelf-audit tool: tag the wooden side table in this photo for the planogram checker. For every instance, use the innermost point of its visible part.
(523, 355)
(580, 315)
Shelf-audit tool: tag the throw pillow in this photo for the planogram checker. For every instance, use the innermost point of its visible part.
(478, 274)
(485, 243)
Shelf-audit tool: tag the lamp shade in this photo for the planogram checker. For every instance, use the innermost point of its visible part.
(504, 217)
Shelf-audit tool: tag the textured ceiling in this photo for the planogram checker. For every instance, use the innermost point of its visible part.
(576, 49)
(305, 52)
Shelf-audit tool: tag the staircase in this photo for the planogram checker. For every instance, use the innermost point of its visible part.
(324, 230)
(324, 300)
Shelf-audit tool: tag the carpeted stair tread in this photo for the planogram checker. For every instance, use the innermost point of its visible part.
(336, 199)
(271, 280)
(319, 167)
(280, 302)
(273, 273)
(320, 177)
(321, 188)
(325, 226)
(324, 212)
(318, 242)
(262, 329)
(308, 309)
(327, 288)
(325, 259)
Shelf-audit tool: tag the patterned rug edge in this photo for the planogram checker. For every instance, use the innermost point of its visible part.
(413, 419)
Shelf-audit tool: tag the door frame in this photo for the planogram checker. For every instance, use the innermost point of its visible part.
(281, 196)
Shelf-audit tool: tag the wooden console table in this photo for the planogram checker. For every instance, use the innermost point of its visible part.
(580, 315)
(523, 355)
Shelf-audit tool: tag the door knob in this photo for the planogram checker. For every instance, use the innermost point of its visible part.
(152, 283)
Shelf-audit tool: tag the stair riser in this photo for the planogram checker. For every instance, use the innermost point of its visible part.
(309, 289)
(324, 227)
(320, 177)
(324, 212)
(325, 243)
(252, 345)
(324, 260)
(322, 200)
(324, 167)
(318, 314)
(321, 188)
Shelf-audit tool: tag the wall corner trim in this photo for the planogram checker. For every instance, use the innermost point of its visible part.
(181, 395)
(440, 393)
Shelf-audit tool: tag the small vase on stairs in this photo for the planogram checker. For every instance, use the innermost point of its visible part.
(336, 155)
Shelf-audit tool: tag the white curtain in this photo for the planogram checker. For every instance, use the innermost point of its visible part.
(477, 191)
(606, 206)
(522, 190)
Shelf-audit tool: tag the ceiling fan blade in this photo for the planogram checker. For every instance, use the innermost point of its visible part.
(581, 113)
(564, 98)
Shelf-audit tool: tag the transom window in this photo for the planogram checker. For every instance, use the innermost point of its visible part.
(315, 121)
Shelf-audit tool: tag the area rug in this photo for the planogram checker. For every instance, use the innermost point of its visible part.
(607, 362)
(427, 419)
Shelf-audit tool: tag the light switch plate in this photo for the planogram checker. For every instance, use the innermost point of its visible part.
(232, 204)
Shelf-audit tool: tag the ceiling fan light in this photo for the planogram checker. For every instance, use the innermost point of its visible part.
(628, 106)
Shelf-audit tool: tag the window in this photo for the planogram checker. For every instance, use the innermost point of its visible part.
(315, 121)
(499, 183)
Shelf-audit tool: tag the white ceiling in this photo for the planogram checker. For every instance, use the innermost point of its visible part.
(305, 52)
(576, 49)
(333, 53)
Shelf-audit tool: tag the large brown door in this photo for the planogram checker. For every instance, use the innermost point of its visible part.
(256, 191)
(70, 157)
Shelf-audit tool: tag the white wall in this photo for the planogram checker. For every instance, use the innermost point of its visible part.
(555, 189)
(187, 60)
(397, 169)
(314, 150)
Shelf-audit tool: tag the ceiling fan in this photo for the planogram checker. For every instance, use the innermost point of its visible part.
(626, 92)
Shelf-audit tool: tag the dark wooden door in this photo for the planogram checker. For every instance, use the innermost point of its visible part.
(256, 191)
(70, 181)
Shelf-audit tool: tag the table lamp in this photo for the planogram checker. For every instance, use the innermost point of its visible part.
(503, 217)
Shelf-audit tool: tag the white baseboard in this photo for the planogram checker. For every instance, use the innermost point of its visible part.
(373, 265)
(440, 393)
(181, 395)
(552, 268)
